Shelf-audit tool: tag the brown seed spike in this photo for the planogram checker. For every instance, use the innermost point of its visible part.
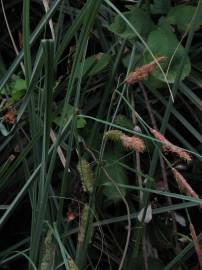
(133, 143)
(167, 146)
(143, 72)
(184, 185)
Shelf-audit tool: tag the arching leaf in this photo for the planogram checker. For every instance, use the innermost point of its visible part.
(181, 16)
(163, 42)
(138, 18)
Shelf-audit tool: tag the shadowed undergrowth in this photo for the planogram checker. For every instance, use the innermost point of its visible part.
(100, 135)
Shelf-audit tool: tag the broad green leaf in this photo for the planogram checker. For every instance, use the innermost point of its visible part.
(163, 42)
(162, 23)
(17, 87)
(138, 18)
(181, 16)
(115, 171)
(80, 121)
(160, 7)
(18, 84)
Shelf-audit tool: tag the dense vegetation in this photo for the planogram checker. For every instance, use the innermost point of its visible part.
(100, 131)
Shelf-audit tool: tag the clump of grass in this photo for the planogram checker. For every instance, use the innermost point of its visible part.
(71, 71)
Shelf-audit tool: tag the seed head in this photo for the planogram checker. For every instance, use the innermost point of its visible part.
(113, 135)
(167, 146)
(184, 185)
(86, 175)
(83, 222)
(133, 143)
(143, 72)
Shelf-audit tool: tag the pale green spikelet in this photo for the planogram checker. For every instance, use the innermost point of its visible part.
(71, 263)
(83, 224)
(86, 175)
(48, 252)
(113, 135)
